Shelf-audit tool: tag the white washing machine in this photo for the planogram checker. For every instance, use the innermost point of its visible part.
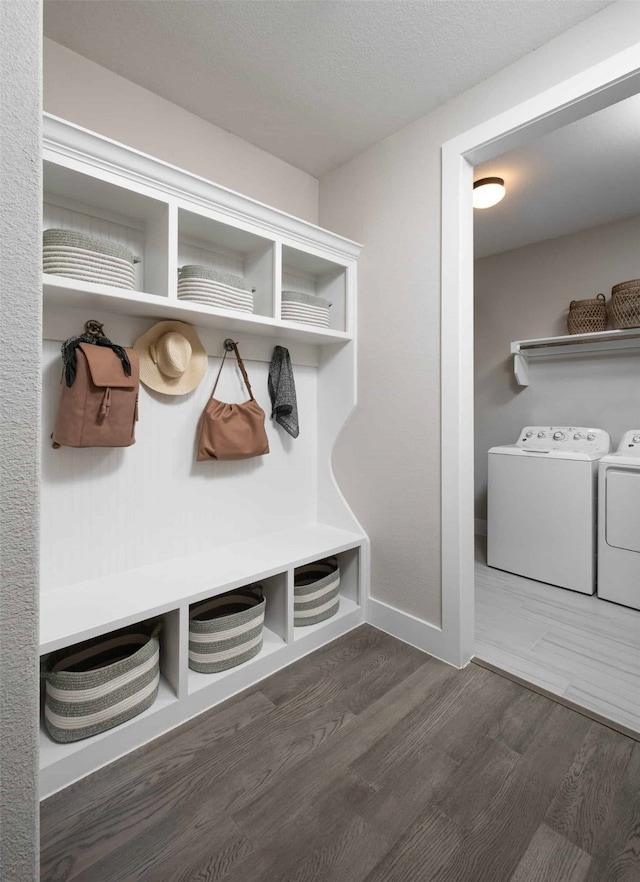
(541, 518)
(619, 523)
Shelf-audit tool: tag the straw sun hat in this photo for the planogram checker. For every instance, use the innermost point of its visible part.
(172, 358)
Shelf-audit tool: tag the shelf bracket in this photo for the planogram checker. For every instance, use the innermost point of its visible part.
(521, 368)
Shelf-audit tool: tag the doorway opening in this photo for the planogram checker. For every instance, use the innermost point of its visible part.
(568, 230)
(597, 88)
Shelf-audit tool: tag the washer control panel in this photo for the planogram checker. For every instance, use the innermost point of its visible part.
(630, 443)
(574, 439)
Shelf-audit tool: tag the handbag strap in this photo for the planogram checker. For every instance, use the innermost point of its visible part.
(232, 346)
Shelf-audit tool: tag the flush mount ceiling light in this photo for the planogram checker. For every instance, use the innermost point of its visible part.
(488, 192)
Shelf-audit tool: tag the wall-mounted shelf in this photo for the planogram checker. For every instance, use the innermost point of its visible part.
(570, 344)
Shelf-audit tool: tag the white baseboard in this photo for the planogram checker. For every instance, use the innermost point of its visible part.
(412, 630)
(481, 527)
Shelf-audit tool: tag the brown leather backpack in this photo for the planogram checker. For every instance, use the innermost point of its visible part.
(98, 398)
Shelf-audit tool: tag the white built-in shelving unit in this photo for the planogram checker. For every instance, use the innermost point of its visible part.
(131, 535)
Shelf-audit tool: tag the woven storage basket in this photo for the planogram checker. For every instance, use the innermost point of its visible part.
(196, 271)
(316, 592)
(101, 684)
(226, 631)
(307, 299)
(87, 258)
(75, 239)
(624, 308)
(587, 316)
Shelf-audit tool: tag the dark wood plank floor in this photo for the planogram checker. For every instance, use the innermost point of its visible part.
(367, 761)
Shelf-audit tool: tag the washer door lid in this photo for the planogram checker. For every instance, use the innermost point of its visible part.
(623, 509)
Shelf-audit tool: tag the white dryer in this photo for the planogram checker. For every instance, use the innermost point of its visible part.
(619, 523)
(541, 518)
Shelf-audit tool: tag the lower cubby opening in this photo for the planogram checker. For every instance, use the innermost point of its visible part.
(271, 643)
(274, 634)
(346, 608)
(349, 593)
(51, 751)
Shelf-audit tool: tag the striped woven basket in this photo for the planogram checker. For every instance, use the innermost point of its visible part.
(226, 631)
(74, 239)
(316, 592)
(101, 685)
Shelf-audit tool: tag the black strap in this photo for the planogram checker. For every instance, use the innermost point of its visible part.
(231, 346)
(93, 333)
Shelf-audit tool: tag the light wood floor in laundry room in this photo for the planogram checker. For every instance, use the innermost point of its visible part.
(575, 645)
(367, 761)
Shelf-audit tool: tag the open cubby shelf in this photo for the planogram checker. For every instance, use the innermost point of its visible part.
(268, 249)
(183, 692)
(60, 292)
(347, 608)
(52, 753)
(86, 609)
(153, 531)
(270, 643)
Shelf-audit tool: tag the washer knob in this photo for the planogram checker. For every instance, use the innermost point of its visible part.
(540, 434)
(636, 439)
(577, 436)
(558, 436)
(591, 437)
(529, 434)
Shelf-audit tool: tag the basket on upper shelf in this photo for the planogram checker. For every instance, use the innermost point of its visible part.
(88, 258)
(587, 316)
(624, 308)
(305, 309)
(212, 287)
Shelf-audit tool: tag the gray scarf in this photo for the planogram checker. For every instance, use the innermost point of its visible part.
(282, 391)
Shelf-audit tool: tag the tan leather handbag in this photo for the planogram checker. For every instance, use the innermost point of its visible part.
(98, 392)
(232, 431)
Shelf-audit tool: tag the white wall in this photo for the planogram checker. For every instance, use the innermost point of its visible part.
(20, 336)
(153, 501)
(92, 96)
(388, 458)
(525, 293)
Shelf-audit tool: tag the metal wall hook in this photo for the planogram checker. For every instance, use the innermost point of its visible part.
(229, 344)
(94, 327)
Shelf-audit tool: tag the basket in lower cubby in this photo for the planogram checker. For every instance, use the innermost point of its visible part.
(99, 684)
(316, 588)
(241, 638)
(326, 590)
(226, 631)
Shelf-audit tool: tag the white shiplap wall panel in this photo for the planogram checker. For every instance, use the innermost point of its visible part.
(104, 511)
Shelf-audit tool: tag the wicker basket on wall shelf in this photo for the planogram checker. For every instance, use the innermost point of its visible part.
(587, 316)
(624, 308)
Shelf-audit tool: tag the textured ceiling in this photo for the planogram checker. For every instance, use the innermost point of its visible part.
(314, 82)
(582, 175)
